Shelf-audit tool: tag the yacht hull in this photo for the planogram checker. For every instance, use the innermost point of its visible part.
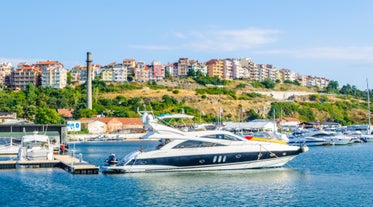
(206, 162)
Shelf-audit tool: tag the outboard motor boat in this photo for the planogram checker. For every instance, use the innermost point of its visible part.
(112, 160)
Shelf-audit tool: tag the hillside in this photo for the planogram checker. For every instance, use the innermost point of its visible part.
(323, 107)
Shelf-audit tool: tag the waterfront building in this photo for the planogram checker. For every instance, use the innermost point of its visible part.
(101, 125)
(288, 123)
(7, 116)
(93, 126)
(67, 114)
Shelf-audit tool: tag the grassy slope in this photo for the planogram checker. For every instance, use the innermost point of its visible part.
(231, 108)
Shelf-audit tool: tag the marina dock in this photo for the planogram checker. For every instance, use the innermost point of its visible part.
(70, 164)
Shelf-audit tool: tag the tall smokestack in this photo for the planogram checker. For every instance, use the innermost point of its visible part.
(89, 80)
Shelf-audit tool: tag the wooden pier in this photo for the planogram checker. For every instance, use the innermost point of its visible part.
(66, 162)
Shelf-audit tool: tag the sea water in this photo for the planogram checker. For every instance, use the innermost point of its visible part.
(324, 176)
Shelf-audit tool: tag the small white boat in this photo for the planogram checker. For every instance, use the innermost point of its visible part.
(202, 151)
(8, 146)
(35, 147)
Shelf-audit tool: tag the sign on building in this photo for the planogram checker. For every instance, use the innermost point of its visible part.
(73, 126)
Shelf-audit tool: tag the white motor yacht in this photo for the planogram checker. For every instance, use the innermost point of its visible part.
(35, 147)
(315, 138)
(202, 151)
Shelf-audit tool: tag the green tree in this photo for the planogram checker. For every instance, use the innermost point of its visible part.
(30, 93)
(191, 73)
(48, 116)
(252, 115)
(69, 78)
(268, 83)
(332, 87)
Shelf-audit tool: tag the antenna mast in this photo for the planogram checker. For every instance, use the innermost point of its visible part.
(368, 99)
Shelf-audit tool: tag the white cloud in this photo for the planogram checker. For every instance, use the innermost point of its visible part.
(352, 53)
(223, 40)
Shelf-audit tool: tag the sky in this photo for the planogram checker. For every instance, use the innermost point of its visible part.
(322, 38)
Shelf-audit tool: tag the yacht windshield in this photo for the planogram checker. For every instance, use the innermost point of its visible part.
(196, 144)
(222, 136)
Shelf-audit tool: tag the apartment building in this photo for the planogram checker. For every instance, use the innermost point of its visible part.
(215, 68)
(286, 74)
(54, 76)
(182, 67)
(228, 69)
(156, 71)
(26, 74)
(141, 72)
(5, 73)
(130, 64)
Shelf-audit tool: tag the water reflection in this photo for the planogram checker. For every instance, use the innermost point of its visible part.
(236, 188)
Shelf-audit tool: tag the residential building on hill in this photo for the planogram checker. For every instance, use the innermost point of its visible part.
(114, 72)
(131, 65)
(182, 67)
(228, 69)
(120, 73)
(54, 76)
(215, 68)
(156, 71)
(51, 73)
(141, 72)
(5, 73)
(26, 74)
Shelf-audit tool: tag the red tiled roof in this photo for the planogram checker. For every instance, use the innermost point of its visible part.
(67, 113)
(130, 121)
(124, 121)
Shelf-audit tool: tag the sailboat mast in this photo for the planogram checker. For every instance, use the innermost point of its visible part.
(368, 99)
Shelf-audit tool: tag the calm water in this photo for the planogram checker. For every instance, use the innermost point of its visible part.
(324, 176)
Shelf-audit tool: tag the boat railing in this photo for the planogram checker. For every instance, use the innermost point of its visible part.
(128, 158)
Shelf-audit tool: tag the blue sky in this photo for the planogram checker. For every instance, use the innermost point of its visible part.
(324, 38)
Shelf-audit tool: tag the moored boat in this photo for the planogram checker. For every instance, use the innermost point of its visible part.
(35, 147)
(9, 146)
(202, 151)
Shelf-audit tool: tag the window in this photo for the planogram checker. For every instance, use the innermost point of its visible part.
(196, 144)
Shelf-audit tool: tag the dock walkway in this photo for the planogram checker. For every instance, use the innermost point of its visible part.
(68, 163)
